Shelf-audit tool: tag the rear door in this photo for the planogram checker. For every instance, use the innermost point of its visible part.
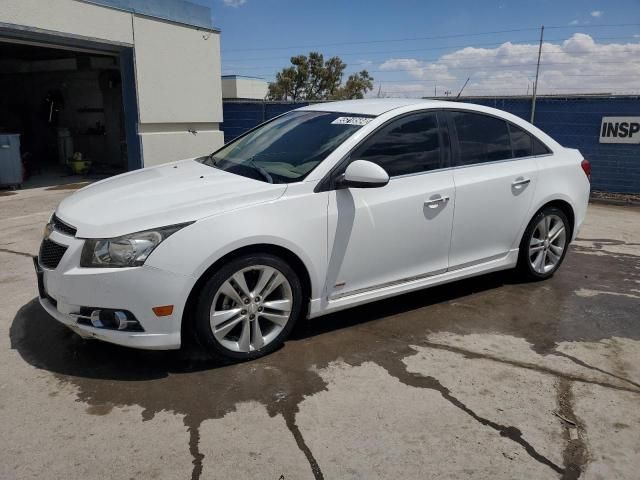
(395, 233)
(495, 175)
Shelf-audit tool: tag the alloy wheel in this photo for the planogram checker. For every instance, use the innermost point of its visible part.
(547, 244)
(251, 308)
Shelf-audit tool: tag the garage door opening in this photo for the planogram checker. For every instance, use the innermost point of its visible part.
(64, 108)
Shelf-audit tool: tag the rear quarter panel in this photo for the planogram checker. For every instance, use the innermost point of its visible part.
(560, 177)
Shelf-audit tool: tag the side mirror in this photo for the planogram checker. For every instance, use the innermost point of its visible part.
(363, 174)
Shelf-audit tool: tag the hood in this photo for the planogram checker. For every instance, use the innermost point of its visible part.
(154, 197)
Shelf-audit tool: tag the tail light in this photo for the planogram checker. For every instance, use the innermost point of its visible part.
(586, 167)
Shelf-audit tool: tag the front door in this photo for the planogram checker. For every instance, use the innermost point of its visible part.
(399, 232)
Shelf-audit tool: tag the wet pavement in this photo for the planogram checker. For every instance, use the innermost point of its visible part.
(487, 377)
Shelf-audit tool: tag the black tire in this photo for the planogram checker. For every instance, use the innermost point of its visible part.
(207, 295)
(525, 268)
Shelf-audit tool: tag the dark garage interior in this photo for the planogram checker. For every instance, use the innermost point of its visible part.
(66, 106)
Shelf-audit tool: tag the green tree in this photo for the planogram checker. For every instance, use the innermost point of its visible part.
(356, 85)
(313, 78)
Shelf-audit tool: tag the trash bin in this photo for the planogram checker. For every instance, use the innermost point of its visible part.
(10, 161)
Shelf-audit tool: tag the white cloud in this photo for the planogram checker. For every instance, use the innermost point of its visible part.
(596, 13)
(234, 3)
(574, 22)
(577, 65)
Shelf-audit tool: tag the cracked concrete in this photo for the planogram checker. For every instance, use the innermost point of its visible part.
(484, 378)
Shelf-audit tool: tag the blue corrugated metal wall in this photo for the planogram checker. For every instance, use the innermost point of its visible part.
(572, 121)
(240, 116)
(575, 123)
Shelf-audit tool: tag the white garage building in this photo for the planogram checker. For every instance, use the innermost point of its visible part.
(238, 87)
(128, 83)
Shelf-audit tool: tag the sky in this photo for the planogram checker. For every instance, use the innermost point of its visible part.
(416, 48)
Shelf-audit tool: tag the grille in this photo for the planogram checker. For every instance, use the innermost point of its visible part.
(62, 227)
(51, 253)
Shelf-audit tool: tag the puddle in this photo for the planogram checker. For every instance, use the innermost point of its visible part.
(543, 313)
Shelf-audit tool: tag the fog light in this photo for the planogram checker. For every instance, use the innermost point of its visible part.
(112, 319)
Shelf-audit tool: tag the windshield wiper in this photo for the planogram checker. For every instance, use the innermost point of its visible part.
(210, 160)
(261, 170)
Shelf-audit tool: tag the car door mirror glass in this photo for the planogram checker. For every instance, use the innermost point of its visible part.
(363, 174)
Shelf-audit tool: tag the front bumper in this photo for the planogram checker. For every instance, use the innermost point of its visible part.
(66, 289)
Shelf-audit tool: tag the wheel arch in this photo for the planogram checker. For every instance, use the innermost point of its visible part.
(286, 254)
(561, 204)
(567, 209)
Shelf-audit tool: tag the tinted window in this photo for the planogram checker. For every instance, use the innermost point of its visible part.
(481, 138)
(521, 141)
(524, 144)
(408, 145)
(539, 148)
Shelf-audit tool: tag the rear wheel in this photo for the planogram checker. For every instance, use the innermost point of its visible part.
(544, 244)
(248, 308)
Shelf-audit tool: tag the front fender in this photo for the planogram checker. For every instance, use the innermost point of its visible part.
(297, 224)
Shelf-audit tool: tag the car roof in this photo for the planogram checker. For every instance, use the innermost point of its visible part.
(372, 106)
(378, 106)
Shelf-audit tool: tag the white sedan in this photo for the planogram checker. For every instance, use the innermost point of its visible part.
(320, 209)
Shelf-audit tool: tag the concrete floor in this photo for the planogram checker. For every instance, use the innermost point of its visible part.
(484, 378)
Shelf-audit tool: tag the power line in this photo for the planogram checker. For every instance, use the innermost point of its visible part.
(472, 67)
(382, 52)
(435, 60)
(435, 37)
(577, 53)
(428, 80)
(367, 42)
(500, 91)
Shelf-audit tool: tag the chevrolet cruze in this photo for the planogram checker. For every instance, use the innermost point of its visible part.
(320, 209)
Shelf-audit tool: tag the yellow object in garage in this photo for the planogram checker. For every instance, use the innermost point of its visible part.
(80, 167)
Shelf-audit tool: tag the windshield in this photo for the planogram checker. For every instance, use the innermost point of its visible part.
(288, 148)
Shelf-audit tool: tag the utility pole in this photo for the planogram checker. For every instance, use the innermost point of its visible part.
(434, 88)
(465, 84)
(535, 85)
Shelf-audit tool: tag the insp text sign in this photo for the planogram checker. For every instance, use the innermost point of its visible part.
(620, 130)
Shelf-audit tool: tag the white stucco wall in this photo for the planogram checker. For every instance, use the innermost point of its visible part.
(69, 17)
(180, 70)
(177, 69)
(243, 87)
(251, 88)
(229, 88)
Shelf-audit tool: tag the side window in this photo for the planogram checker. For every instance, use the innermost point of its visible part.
(521, 141)
(539, 148)
(481, 138)
(524, 144)
(408, 145)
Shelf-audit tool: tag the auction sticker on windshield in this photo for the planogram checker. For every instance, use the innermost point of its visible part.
(351, 121)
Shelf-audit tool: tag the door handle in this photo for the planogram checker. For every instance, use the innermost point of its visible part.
(520, 182)
(435, 202)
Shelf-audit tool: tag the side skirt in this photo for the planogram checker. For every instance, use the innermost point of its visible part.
(323, 306)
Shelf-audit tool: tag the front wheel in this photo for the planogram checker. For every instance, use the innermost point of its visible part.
(248, 308)
(544, 244)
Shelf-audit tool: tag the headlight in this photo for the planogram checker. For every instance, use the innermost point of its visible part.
(127, 251)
